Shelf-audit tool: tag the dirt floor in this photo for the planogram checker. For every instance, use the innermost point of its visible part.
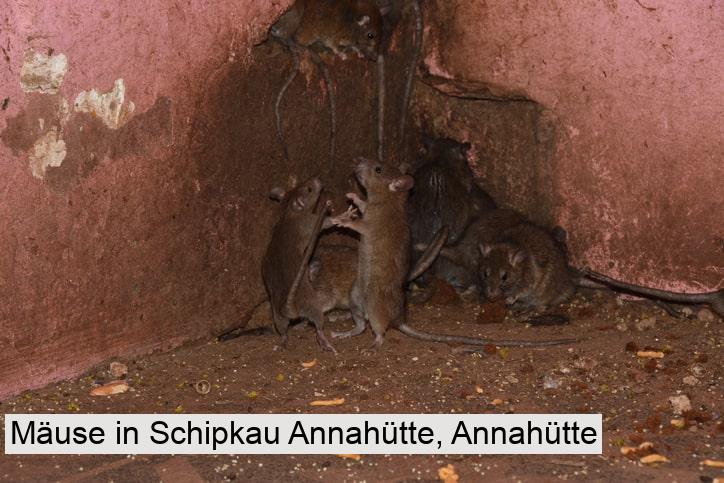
(602, 373)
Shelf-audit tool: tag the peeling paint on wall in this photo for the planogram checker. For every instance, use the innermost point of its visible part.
(49, 150)
(109, 106)
(43, 73)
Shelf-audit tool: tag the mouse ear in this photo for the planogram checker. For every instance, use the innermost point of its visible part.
(405, 168)
(363, 20)
(485, 249)
(516, 257)
(313, 271)
(402, 183)
(385, 9)
(277, 194)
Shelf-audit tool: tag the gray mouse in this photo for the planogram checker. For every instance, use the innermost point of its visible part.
(342, 27)
(287, 256)
(377, 294)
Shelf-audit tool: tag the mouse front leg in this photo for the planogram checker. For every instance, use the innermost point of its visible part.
(357, 201)
(349, 220)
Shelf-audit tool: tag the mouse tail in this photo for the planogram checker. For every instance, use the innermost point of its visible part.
(327, 79)
(676, 297)
(415, 58)
(459, 339)
(380, 105)
(430, 255)
(239, 330)
(280, 96)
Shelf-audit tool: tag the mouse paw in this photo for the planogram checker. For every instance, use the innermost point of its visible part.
(325, 345)
(374, 348)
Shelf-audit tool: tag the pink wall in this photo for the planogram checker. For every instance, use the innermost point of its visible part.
(125, 230)
(126, 246)
(635, 92)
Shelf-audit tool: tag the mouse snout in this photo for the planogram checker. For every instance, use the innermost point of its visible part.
(493, 294)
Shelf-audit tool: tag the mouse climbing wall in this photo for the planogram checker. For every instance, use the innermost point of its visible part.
(602, 117)
(137, 149)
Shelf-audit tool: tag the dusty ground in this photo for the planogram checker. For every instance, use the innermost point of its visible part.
(600, 374)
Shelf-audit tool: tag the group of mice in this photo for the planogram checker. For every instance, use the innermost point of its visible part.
(450, 220)
(448, 225)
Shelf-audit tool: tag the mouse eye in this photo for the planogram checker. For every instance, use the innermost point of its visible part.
(378, 170)
(309, 189)
(486, 273)
(504, 276)
(370, 35)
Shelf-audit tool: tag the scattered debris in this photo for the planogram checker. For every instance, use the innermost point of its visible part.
(355, 457)
(680, 404)
(586, 363)
(654, 459)
(203, 386)
(113, 387)
(650, 354)
(713, 463)
(497, 402)
(328, 402)
(118, 370)
(690, 381)
(678, 423)
(644, 447)
(310, 364)
(706, 315)
(447, 474)
(551, 382)
(646, 324)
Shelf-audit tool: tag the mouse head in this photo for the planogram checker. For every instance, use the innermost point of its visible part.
(502, 271)
(445, 148)
(379, 178)
(299, 199)
(365, 19)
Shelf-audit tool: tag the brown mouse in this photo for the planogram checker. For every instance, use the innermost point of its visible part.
(587, 278)
(287, 256)
(377, 294)
(313, 26)
(526, 267)
(446, 194)
(331, 273)
(458, 262)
